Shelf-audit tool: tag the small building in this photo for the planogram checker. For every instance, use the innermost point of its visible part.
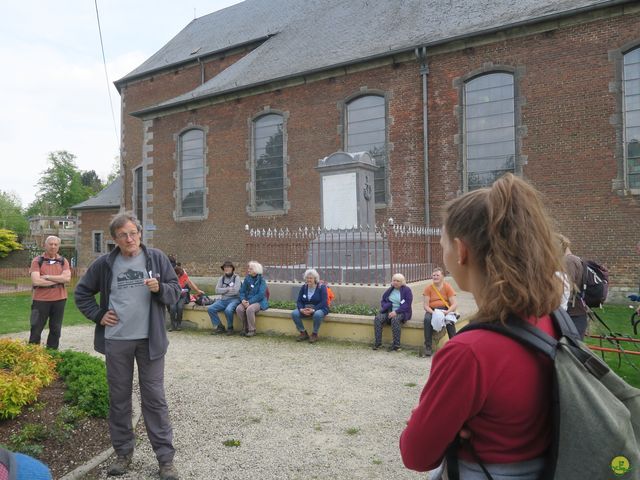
(63, 227)
(93, 217)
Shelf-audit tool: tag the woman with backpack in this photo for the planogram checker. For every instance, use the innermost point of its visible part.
(486, 391)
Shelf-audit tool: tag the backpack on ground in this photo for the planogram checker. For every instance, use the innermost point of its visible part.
(595, 283)
(595, 414)
(203, 300)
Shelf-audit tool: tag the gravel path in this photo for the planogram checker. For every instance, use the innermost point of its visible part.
(299, 411)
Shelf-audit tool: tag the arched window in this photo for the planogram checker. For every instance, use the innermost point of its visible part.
(367, 132)
(631, 86)
(489, 128)
(268, 163)
(191, 155)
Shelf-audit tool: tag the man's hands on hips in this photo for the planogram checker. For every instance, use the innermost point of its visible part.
(109, 319)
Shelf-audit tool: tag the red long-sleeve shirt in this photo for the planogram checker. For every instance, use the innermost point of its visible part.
(492, 385)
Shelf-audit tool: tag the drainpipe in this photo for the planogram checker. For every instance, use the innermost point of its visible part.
(201, 71)
(421, 55)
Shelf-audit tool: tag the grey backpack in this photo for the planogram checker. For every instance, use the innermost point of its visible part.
(596, 414)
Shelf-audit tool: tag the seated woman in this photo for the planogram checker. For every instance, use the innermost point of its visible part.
(312, 302)
(395, 309)
(252, 298)
(438, 295)
(175, 311)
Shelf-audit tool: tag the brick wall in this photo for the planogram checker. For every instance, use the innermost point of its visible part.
(90, 221)
(568, 140)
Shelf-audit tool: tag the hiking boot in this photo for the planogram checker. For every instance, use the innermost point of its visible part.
(313, 338)
(376, 346)
(120, 465)
(251, 333)
(394, 348)
(168, 471)
(229, 331)
(302, 337)
(218, 330)
(428, 351)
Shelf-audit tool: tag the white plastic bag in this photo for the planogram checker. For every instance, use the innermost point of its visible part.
(438, 319)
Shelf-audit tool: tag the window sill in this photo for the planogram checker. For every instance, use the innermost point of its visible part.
(266, 213)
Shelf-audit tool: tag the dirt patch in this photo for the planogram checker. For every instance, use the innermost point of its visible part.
(63, 448)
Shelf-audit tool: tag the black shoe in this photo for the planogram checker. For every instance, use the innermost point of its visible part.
(229, 331)
(302, 337)
(376, 346)
(428, 351)
(394, 348)
(218, 330)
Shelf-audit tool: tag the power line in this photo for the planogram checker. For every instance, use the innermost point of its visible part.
(106, 76)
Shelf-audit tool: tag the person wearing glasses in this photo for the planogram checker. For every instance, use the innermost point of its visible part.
(135, 283)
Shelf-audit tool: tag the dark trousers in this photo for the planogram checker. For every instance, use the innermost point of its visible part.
(42, 311)
(175, 312)
(119, 356)
(396, 326)
(581, 324)
(428, 329)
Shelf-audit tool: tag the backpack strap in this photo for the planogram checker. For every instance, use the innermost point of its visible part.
(446, 304)
(7, 458)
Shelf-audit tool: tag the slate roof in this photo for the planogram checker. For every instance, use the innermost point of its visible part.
(302, 36)
(109, 197)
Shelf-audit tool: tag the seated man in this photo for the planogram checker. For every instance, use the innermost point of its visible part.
(438, 295)
(229, 287)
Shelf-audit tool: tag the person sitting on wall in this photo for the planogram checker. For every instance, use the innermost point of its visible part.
(312, 302)
(253, 298)
(439, 298)
(175, 311)
(229, 287)
(395, 309)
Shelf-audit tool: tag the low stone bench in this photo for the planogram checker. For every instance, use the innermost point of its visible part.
(338, 326)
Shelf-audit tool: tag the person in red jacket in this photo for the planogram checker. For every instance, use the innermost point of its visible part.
(483, 387)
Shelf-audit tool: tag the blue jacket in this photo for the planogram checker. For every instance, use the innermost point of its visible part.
(254, 289)
(318, 299)
(406, 298)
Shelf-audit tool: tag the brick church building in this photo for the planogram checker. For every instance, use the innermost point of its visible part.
(223, 126)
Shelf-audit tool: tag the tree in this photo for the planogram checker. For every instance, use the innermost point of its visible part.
(115, 171)
(60, 186)
(11, 216)
(90, 180)
(8, 242)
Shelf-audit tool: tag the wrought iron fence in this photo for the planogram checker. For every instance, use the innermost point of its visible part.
(353, 256)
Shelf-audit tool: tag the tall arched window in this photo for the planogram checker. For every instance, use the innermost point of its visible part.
(367, 132)
(191, 149)
(489, 128)
(268, 163)
(631, 77)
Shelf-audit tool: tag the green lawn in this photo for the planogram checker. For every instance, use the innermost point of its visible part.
(618, 318)
(15, 309)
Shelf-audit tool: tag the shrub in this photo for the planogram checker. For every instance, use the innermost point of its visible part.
(24, 370)
(355, 309)
(86, 380)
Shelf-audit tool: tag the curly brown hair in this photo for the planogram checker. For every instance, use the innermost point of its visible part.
(510, 237)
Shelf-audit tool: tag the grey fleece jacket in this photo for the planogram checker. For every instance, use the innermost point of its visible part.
(229, 291)
(98, 280)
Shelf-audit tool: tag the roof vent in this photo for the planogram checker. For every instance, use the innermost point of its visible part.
(195, 51)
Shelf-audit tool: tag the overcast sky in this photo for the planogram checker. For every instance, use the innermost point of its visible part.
(53, 87)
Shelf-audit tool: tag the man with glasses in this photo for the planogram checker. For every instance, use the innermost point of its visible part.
(135, 284)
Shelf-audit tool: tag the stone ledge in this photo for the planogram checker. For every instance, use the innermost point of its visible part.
(338, 326)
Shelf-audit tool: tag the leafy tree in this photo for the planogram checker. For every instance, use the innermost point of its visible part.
(11, 216)
(115, 171)
(60, 186)
(90, 180)
(8, 242)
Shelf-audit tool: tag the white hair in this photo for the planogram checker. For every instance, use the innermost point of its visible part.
(52, 237)
(256, 267)
(313, 272)
(399, 276)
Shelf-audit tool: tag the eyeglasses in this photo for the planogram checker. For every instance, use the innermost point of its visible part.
(126, 235)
